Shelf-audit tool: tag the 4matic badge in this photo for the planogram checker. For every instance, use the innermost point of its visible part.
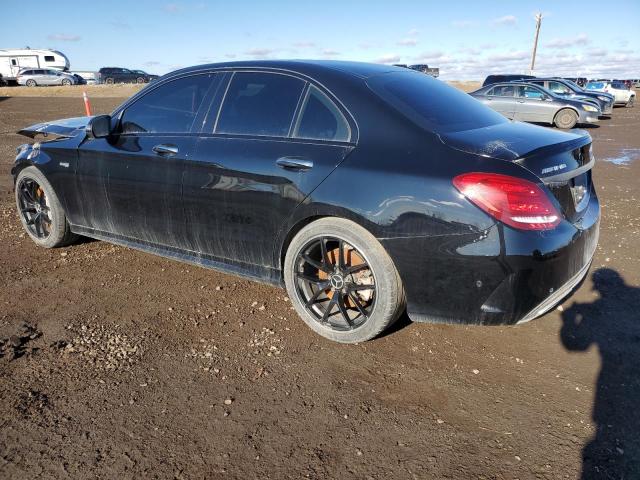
(555, 168)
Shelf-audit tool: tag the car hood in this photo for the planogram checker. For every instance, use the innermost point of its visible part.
(66, 127)
(512, 141)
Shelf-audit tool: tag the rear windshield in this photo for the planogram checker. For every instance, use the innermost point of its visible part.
(432, 104)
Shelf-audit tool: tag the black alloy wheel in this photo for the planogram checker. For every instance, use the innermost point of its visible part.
(34, 207)
(335, 283)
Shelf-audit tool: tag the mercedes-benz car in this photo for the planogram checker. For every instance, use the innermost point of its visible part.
(531, 103)
(366, 190)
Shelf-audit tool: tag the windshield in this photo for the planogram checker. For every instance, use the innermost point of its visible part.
(432, 104)
(573, 85)
(595, 85)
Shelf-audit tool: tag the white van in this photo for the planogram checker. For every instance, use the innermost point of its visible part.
(13, 60)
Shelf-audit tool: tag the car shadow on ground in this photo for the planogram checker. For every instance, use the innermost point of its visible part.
(612, 324)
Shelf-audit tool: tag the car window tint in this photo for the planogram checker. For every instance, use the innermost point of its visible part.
(258, 103)
(321, 119)
(431, 103)
(503, 91)
(170, 108)
(529, 92)
(558, 87)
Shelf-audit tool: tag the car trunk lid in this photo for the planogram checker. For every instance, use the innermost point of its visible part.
(561, 160)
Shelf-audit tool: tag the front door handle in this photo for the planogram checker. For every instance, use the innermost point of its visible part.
(520, 101)
(294, 163)
(165, 150)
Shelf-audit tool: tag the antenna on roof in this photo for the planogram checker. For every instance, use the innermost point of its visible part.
(535, 43)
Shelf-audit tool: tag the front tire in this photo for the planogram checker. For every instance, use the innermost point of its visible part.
(341, 281)
(66, 82)
(566, 118)
(40, 211)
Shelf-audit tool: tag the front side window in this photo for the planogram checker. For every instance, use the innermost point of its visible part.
(526, 91)
(49, 58)
(557, 87)
(321, 119)
(259, 103)
(170, 108)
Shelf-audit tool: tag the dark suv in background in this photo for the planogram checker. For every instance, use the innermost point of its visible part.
(491, 79)
(123, 75)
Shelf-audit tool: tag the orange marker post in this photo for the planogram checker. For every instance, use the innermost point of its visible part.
(87, 104)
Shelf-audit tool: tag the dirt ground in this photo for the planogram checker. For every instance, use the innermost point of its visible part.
(119, 364)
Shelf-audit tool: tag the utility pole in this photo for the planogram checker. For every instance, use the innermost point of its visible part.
(535, 43)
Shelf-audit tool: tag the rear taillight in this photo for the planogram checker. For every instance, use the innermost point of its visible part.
(516, 202)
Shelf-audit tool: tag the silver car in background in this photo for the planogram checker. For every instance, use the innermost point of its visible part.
(32, 77)
(531, 103)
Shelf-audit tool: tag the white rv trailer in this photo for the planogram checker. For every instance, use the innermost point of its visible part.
(13, 60)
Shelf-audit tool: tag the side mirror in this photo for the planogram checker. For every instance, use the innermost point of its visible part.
(99, 126)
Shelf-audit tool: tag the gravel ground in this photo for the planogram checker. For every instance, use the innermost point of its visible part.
(119, 364)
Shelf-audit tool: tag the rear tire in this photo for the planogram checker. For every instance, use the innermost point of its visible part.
(140, 80)
(355, 316)
(630, 102)
(566, 118)
(35, 196)
(109, 81)
(31, 83)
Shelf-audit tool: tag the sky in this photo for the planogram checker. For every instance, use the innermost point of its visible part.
(467, 40)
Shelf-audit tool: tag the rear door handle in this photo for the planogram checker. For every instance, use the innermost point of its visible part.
(520, 101)
(165, 150)
(294, 163)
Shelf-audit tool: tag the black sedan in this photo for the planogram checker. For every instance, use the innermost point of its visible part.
(364, 189)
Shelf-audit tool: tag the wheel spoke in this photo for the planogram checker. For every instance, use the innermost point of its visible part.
(357, 288)
(359, 306)
(315, 280)
(26, 194)
(355, 268)
(341, 254)
(332, 303)
(343, 309)
(314, 297)
(28, 210)
(315, 263)
(325, 255)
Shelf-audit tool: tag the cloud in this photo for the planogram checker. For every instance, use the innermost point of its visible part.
(63, 37)
(260, 52)
(430, 56)
(462, 23)
(304, 44)
(413, 32)
(598, 52)
(171, 7)
(580, 39)
(230, 55)
(408, 42)
(120, 24)
(327, 52)
(390, 58)
(151, 63)
(505, 20)
(515, 55)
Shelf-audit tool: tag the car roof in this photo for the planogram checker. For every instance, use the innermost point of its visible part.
(306, 67)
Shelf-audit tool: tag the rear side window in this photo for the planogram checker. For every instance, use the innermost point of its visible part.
(170, 108)
(525, 91)
(259, 103)
(432, 104)
(321, 119)
(49, 58)
(502, 91)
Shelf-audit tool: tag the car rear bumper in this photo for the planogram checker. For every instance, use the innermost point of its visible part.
(500, 276)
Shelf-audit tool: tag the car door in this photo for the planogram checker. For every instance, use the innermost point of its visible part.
(273, 139)
(532, 105)
(501, 98)
(130, 184)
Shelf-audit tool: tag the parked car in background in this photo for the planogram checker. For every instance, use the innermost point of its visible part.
(636, 82)
(423, 68)
(149, 76)
(41, 77)
(568, 89)
(580, 81)
(110, 75)
(531, 103)
(3, 82)
(267, 181)
(623, 95)
(88, 76)
(491, 79)
(12, 61)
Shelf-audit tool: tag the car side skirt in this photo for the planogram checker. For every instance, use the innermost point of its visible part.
(259, 273)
